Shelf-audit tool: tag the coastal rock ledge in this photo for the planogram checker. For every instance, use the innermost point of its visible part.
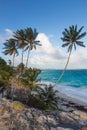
(16, 116)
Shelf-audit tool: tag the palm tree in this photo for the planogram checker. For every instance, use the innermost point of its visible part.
(9, 62)
(71, 37)
(19, 37)
(21, 68)
(11, 48)
(29, 78)
(31, 41)
(48, 96)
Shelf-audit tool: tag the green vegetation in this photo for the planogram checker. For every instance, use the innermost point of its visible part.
(18, 106)
(26, 40)
(29, 78)
(48, 96)
(10, 47)
(6, 73)
(21, 68)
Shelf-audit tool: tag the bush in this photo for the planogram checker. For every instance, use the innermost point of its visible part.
(48, 96)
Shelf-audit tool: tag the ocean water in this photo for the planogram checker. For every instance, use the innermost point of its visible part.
(73, 82)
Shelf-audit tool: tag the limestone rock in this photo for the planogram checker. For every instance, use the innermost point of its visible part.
(16, 116)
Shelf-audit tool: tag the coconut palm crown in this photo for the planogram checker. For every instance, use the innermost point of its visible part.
(72, 37)
(10, 47)
(19, 37)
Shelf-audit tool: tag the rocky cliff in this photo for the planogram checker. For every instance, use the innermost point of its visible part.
(16, 116)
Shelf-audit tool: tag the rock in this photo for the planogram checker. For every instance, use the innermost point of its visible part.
(51, 120)
(16, 116)
(84, 128)
(41, 119)
(61, 128)
(81, 115)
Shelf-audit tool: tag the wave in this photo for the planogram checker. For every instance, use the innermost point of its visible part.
(79, 93)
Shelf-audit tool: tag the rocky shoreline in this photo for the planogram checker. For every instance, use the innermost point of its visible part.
(16, 116)
(69, 105)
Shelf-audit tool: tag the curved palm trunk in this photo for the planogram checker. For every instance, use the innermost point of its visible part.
(64, 69)
(13, 59)
(22, 54)
(27, 57)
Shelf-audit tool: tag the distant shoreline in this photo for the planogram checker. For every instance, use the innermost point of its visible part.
(62, 69)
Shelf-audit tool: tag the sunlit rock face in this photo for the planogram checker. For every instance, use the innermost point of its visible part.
(15, 115)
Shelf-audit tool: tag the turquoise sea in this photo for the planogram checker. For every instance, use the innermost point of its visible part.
(73, 82)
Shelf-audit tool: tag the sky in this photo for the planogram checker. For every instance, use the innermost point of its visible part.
(49, 17)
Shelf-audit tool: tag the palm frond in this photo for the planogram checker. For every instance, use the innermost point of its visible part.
(81, 36)
(66, 44)
(80, 43)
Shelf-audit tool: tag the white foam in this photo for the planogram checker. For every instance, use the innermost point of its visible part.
(76, 93)
(79, 94)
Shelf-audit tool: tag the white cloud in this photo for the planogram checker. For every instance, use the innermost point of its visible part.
(9, 31)
(8, 34)
(79, 59)
(48, 48)
(47, 55)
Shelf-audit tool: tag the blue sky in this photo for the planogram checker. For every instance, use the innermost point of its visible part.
(49, 17)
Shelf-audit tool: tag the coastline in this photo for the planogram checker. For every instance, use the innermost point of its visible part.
(72, 99)
(67, 102)
(68, 94)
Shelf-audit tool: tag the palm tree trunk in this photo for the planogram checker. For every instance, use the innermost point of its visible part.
(27, 57)
(13, 59)
(64, 69)
(22, 54)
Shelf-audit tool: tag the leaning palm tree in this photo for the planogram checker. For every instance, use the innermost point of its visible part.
(19, 37)
(71, 37)
(31, 41)
(10, 47)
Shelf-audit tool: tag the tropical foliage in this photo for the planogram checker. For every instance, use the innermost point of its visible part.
(31, 41)
(10, 47)
(26, 40)
(6, 73)
(21, 68)
(48, 96)
(20, 37)
(29, 78)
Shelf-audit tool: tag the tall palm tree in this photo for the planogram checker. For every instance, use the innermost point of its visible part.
(11, 47)
(71, 37)
(31, 41)
(19, 37)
